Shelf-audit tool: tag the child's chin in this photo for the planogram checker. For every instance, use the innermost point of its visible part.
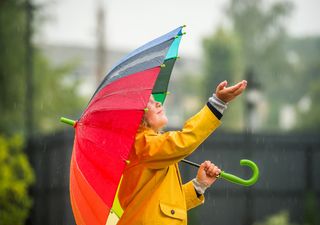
(165, 121)
(163, 124)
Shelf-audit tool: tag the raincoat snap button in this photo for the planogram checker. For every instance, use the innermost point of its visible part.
(173, 212)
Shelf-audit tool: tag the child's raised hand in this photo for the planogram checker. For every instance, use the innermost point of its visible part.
(226, 94)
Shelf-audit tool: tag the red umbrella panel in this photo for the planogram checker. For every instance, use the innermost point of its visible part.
(106, 130)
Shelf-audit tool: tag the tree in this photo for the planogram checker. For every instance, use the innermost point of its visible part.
(222, 61)
(311, 116)
(56, 94)
(53, 96)
(305, 54)
(51, 92)
(12, 61)
(261, 29)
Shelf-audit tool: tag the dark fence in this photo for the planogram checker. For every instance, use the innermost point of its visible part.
(289, 173)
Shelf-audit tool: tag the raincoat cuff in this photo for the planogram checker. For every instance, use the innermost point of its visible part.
(218, 103)
(214, 110)
(192, 199)
(199, 187)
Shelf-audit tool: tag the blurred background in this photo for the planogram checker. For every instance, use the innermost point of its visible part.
(54, 53)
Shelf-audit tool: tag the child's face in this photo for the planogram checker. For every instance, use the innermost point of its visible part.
(155, 116)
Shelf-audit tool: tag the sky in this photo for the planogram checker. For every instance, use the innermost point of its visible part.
(131, 23)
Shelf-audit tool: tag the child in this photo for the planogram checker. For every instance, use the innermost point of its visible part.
(151, 191)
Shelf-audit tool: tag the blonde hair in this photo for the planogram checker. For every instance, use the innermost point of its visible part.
(144, 123)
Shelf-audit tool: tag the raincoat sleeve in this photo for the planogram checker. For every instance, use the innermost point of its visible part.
(161, 150)
(192, 200)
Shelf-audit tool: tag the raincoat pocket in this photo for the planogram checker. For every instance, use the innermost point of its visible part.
(173, 211)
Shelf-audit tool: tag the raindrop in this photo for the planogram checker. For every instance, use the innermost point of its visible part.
(227, 193)
(202, 148)
(213, 202)
(209, 198)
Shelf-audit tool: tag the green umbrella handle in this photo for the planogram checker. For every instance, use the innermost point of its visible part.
(233, 178)
(238, 180)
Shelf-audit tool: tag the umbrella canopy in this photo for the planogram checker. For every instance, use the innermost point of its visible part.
(105, 132)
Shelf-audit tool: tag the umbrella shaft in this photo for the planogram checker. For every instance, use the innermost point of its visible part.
(190, 163)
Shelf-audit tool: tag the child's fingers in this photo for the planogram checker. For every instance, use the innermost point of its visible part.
(215, 172)
(240, 90)
(212, 170)
(222, 85)
(234, 87)
(237, 86)
(205, 165)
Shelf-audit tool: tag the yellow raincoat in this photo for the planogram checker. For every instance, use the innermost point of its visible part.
(151, 191)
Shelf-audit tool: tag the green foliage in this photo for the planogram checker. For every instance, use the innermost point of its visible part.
(52, 95)
(281, 218)
(223, 62)
(222, 59)
(12, 61)
(261, 28)
(287, 68)
(55, 95)
(311, 215)
(311, 117)
(16, 176)
(306, 52)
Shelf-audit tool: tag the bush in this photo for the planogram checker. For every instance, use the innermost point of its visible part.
(16, 176)
(281, 218)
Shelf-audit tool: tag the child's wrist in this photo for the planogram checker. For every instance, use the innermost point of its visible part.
(218, 103)
(199, 186)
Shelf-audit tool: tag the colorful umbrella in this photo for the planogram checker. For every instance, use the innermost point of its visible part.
(105, 132)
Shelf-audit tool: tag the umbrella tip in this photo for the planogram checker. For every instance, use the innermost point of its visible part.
(68, 121)
(127, 161)
(145, 109)
(183, 33)
(163, 65)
